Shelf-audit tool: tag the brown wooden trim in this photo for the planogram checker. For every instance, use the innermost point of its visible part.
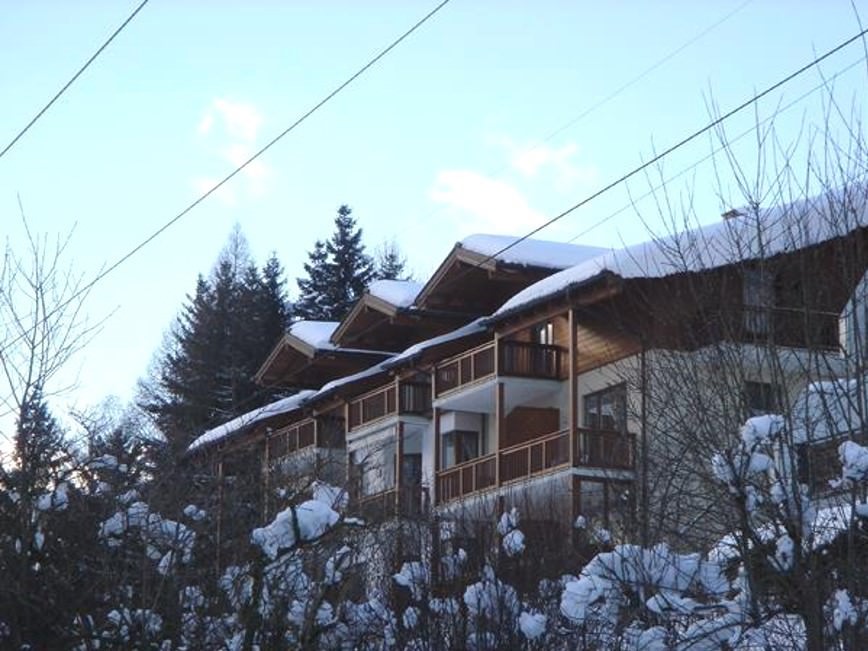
(573, 378)
(500, 416)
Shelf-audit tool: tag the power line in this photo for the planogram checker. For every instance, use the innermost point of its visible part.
(657, 158)
(105, 272)
(639, 77)
(718, 149)
(617, 91)
(74, 77)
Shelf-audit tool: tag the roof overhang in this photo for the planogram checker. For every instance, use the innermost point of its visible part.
(294, 362)
(469, 282)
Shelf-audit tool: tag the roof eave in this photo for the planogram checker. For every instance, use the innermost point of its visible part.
(565, 292)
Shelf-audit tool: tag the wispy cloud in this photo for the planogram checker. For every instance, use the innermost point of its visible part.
(239, 120)
(484, 203)
(535, 161)
(231, 129)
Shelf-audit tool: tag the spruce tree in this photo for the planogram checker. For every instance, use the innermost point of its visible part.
(313, 290)
(39, 444)
(204, 374)
(389, 262)
(350, 268)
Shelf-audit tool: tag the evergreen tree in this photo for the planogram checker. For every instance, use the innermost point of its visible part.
(275, 305)
(338, 271)
(389, 262)
(350, 268)
(203, 376)
(313, 290)
(39, 444)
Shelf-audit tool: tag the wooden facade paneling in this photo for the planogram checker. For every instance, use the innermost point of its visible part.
(526, 423)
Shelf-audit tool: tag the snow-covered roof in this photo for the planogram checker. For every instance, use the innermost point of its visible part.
(282, 406)
(314, 333)
(472, 328)
(400, 293)
(530, 252)
(773, 231)
(464, 331)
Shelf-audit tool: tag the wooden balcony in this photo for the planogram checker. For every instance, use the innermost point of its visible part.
(406, 398)
(526, 359)
(606, 450)
(535, 457)
(466, 478)
(289, 440)
(408, 502)
(515, 359)
(466, 368)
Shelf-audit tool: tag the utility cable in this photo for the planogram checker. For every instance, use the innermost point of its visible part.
(117, 263)
(693, 136)
(718, 149)
(74, 77)
(496, 172)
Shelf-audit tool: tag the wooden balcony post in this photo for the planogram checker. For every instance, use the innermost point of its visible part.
(499, 417)
(497, 353)
(573, 387)
(399, 462)
(348, 465)
(437, 461)
(266, 479)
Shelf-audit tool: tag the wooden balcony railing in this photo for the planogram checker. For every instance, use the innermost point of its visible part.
(410, 398)
(291, 439)
(535, 457)
(408, 501)
(465, 478)
(515, 358)
(526, 359)
(464, 369)
(602, 449)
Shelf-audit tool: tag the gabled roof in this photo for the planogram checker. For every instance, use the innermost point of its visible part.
(411, 354)
(478, 275)
(244, 422)
(385, 317)
(396, 293)
(306, 357)
(738, 238)
(315, 335)
(414, 352)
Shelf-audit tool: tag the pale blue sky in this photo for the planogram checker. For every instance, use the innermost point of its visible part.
(434, 143)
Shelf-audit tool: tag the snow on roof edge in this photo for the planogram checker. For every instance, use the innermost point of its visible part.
(316, 334)
(276, 408)
(773, 231)
(400, 293)
(474, 327)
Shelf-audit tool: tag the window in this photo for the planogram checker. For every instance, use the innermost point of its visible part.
(606, 409)
(543, 333)
(460, 446)
(758, 296)
(375, 468)
(610, 503)
(760, 398)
